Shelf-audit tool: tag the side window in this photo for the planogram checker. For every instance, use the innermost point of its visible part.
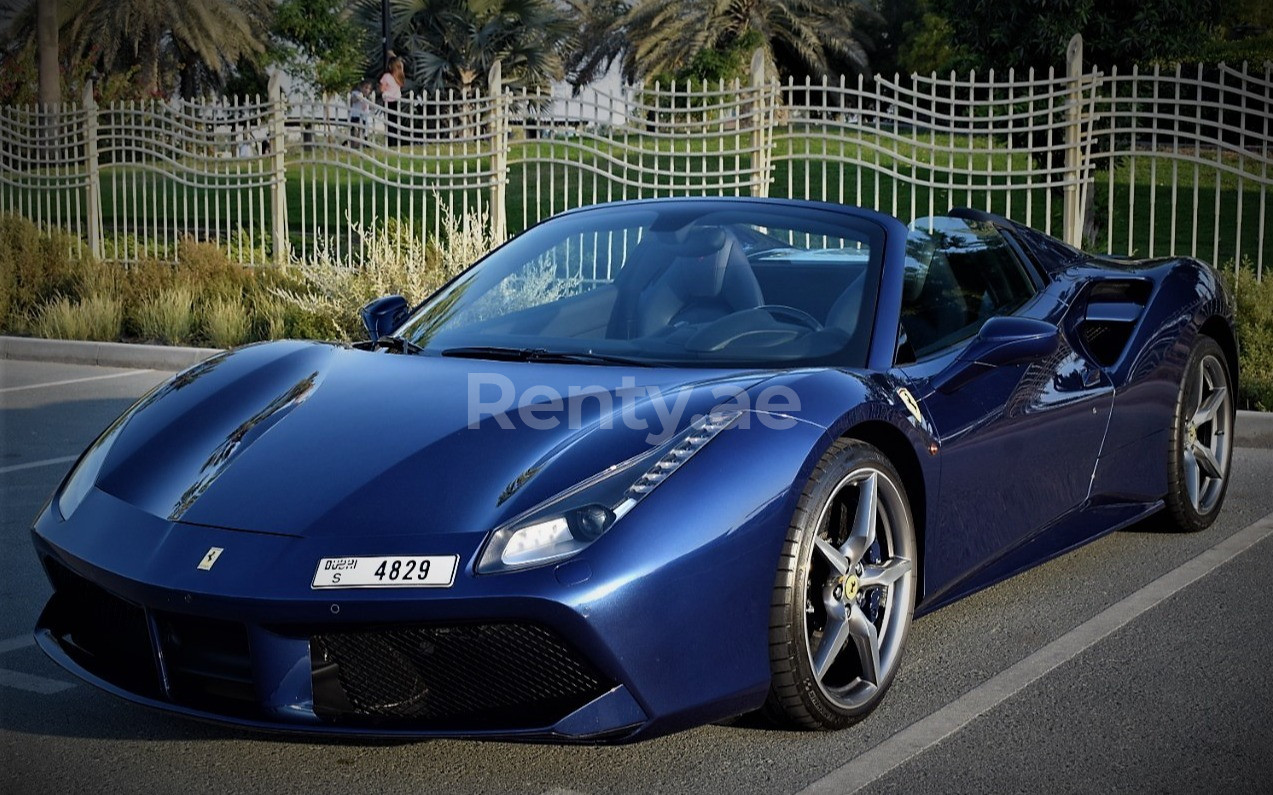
(958, 275)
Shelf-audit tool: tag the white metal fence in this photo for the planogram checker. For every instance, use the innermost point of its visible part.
(1143, 163)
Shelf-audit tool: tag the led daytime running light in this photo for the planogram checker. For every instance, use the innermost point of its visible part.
(697, 437)
(569, 522)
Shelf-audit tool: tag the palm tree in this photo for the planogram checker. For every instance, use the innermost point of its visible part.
(601, 39)
(454, 43)
(46, 49)
(797, 36)
(199, 37)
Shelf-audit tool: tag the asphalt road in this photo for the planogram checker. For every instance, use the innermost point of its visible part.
(1138, 663)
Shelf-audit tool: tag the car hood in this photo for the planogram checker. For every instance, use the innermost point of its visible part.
(312, 439)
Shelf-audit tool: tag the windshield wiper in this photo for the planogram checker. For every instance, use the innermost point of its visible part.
(540, 355)
(396, 344)
(583, 357)
(489, 352)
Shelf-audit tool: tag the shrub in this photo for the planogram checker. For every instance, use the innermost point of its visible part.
(1254, 300)
(463, 242)
(167, 315)
(246, 248)
(7, 288)
(137, 285)
(207, 270)
(326, 292)
(266, 312)
(157, 299)
(226, 322)
(150, 289)
(35, 267)
(97, 317)
(273, 324)
(287, 317)
(271, 319)
(128, 247)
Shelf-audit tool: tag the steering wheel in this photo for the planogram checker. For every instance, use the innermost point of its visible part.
(801, 317)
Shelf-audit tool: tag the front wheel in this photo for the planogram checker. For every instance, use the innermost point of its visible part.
(1201, 439)
(844, 592)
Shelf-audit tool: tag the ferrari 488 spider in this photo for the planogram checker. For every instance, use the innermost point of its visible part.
(648, 465)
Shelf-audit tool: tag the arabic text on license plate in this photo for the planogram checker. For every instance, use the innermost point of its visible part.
(415, 571)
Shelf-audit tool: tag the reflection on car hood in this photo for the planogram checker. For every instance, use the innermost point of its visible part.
(316, 439)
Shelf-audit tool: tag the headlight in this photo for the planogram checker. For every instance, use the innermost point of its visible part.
(84, 475)
(567, 523)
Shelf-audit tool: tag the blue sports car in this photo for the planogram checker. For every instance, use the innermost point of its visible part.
(646, 466)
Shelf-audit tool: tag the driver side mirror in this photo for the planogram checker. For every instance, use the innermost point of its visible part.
(1001, 341)
(383, 315)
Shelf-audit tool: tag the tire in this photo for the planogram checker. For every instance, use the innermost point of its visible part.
(1201, 446)
(844, 592)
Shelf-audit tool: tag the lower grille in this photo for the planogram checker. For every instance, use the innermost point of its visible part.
(467, 676)
(105, 634)
(208, 662)
(462, 677)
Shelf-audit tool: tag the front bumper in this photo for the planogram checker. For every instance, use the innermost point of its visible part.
(504, 679)
(657, 628)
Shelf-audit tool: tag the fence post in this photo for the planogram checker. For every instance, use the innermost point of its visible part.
(93, 188)
(760, 136)
(278, 164)
(1073, 206)
(498, 123)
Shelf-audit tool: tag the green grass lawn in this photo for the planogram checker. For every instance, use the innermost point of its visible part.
(1135, 208)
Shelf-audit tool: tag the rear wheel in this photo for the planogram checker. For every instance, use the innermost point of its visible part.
(1201, 439)
(844, 592)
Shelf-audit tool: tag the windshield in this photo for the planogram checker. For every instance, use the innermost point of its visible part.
(675, 283)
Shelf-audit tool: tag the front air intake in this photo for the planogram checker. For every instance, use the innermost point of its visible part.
(451, 677)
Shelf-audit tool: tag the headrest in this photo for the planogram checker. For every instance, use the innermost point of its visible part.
(699, 263)
(701, 241)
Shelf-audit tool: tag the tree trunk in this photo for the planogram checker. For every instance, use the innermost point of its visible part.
(189, 87)
(149, 74)
(47, 52)
(468, 106)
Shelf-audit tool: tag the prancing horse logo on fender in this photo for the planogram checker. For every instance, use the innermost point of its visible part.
(210, 559)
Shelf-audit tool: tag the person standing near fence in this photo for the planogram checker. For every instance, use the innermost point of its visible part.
(391, 83)
(359, 112)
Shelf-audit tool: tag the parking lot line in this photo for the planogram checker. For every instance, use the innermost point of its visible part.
(73, 381)
(928, 732)
(33, 464)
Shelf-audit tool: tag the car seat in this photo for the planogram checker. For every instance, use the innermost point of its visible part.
(690, 277)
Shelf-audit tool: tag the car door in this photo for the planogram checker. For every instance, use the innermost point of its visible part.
(1018, 442)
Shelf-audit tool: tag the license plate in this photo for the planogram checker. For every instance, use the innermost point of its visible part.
(403, 571)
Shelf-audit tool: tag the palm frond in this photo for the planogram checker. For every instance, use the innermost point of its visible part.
(452, 43)
(663, 36)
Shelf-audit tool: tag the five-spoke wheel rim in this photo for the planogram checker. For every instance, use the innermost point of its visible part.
(859, 588)
(1207, 435)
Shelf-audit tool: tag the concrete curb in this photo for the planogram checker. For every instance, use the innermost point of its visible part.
(104, 354)
(1254, 429)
